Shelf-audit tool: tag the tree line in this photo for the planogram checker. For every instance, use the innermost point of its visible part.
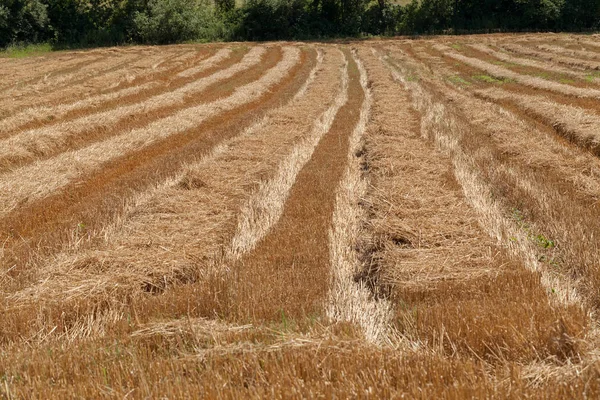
(83, 23)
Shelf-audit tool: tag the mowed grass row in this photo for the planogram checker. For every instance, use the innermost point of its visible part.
(82, 67)
(465, 138)
(177, 228)
(154, 69)
(571, 62)
(428, 247)
(287, 367)
(570, 116)
(533, 200)
(551, 51)
(475, 66)
(41, 143)
(500, 72)
(77, 77)
(311, 97)
(338, 79)
(343, 220)
(295, 248)
(570, 179)
(168, 146)
(151, 76)
(15, 75)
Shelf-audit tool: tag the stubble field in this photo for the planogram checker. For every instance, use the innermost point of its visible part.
(374, 219)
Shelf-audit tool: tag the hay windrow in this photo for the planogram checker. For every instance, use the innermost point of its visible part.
(155, 226)
(526, 80)
(410, 218)
(54, 112)
(349, 300)
(35, 143)
(46, 176)
(265, 207)
(545, 55)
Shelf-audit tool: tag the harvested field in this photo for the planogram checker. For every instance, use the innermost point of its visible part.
(411, 218)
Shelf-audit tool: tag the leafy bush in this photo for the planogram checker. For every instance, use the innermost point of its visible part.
(23, 21)
(273, 19)
(382, 18)
(580, 14)
(4, 17)
(85, 23)
(172, 21)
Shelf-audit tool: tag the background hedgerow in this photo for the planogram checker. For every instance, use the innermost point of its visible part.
(79, 23)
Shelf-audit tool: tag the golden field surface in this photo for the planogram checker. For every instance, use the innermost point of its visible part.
(378, 219)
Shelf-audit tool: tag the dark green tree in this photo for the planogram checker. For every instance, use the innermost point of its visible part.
(171, 21)
(23, 21)
(578, 15)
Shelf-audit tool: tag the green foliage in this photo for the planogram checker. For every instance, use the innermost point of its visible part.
(224, 6)
(22, 21)
(591, 77)
(577, 15)
(21, 51)
(457, 80)
(83, 23)
(306, 19)
(4, 17)
(485, 15)
(271, 19)
(544, 242)
(172, 21)
(488, 79)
